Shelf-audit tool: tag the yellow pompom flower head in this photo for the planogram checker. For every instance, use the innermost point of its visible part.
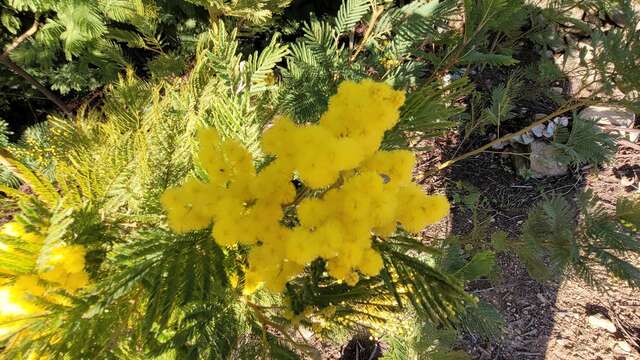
(358, 191)
(55, 268)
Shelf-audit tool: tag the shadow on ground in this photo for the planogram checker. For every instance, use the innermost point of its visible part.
(547, 320)
(505, 199)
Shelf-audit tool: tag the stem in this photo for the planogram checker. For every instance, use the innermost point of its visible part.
(4, 59)
(377, 11)
(510, 136)
(20, 39)
(308, 349)
(454, 55)
(629, 144)
(214, 15)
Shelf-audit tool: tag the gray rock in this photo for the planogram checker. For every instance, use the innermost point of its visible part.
(557, 90)
(499, 146)
(617, 16)
(517, 139)
(543, 162)
(582, 81)
(609, 116)
(555, 40)
(614, 114)
(558, 48)
(593, 19)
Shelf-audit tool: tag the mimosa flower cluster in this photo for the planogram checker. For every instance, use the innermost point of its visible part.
(360, 191)
(63, 268)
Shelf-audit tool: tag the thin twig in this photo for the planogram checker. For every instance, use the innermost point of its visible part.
(510, 136)
(4, 59)
(618, 128)
(308, 349)
(377, 11)
(20, 39)
(628, 143)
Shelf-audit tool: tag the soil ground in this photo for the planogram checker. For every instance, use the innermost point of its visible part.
(543, 320)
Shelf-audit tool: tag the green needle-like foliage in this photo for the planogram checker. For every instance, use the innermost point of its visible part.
(96, 179)
(600, 239)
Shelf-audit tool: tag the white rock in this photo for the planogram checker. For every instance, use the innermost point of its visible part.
(576, 13)
(624, 346)
(585, 45)
(561, 120)
(538, 130)
(527, 139)
(499, 146)
(457, 74)
(612, 115)
(542, 161)
(550, 130)
(626, 181)
(446, 79)
(306, 333)
(598, 321)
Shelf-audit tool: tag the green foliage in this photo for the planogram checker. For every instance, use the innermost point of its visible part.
(497, 32)
(423, 341)
(462, 260)
(110, 164)
(322, 58)
(85, 33)
(599, 239)
(82, 45)
(415, 23)
(350, 14)
(96, 179)
(474, 57)
(429, 110)
(585, 144)
(483, 320)
(6, 176)
(628, 213)
(255, 11)
(500, 106)
(435, 295)
(121, 165)
(617, 49)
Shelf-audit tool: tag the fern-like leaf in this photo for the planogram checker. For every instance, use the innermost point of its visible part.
(350, 13)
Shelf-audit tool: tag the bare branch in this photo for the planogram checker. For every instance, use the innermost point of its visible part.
(4, 59)
(20, 39)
